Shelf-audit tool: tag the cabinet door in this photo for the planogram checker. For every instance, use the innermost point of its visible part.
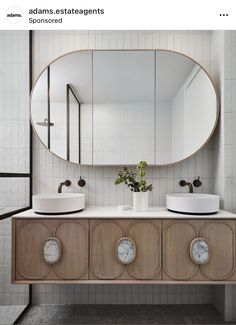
(147, 237)
(177, 236)
(141, 251)
(103, 260)
(50, 249)
(220, 236)
(214, 255)
(73, 236)
(29, 239)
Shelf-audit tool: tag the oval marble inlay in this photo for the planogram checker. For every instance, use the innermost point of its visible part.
(126, 250)
(52, 250)
(199, 251)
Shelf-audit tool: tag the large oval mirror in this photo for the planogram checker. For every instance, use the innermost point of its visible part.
(120, 107)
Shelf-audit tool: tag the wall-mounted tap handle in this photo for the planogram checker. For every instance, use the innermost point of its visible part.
(67, 183)
(197, 182)
(182, 183)
(81, 182)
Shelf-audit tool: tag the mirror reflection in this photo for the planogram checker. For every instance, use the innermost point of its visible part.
(61, 102)
(186, 107)
(120, 107)
(123, 107)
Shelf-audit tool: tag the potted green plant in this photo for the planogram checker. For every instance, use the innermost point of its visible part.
(137, 184)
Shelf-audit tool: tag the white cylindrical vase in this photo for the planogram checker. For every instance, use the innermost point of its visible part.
(140, 201)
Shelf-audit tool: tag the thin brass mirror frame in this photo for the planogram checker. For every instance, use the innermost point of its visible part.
(130, 50)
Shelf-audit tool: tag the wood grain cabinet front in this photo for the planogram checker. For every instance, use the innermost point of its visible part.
(136, 243)
(49, 249)
(198, 250)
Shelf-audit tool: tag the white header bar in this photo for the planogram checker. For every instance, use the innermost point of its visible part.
(114, 14)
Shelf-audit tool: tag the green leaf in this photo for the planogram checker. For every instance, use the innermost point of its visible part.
(135, 181)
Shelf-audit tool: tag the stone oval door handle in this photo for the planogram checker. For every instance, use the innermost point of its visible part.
(199, 251)
(125, 250)
(52, 250)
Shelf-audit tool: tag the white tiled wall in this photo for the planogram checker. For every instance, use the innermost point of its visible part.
(10, 294)
(224, 74)
(230, 148)
(230, 120)
(100, 189)
(14, 92)
(14, 194)
(217, 70)
(164, 145)
(14, 118)
(122, 294)
(224, 167)
(14, 151)
(128, 140)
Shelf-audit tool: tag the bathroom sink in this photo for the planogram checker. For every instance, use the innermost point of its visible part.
(58, 203)
(193, 203)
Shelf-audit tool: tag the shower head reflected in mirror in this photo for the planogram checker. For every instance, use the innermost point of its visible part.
(45, 123)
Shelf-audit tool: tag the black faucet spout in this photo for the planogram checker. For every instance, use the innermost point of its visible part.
(66, 183)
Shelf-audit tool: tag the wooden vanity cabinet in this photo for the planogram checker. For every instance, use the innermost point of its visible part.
(29, 236)
(104, 262)
(177, 261)
(90, 250)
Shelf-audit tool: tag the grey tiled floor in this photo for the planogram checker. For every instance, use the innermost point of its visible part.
(8, 314)
(121, 314)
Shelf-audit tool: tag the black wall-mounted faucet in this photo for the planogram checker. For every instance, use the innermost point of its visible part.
(184, 183)
(66, 183)
(196, 183)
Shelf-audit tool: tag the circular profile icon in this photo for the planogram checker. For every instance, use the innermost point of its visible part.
(14, 15)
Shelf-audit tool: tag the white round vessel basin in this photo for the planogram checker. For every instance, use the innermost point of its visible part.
(58, 203)
(193, 203)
